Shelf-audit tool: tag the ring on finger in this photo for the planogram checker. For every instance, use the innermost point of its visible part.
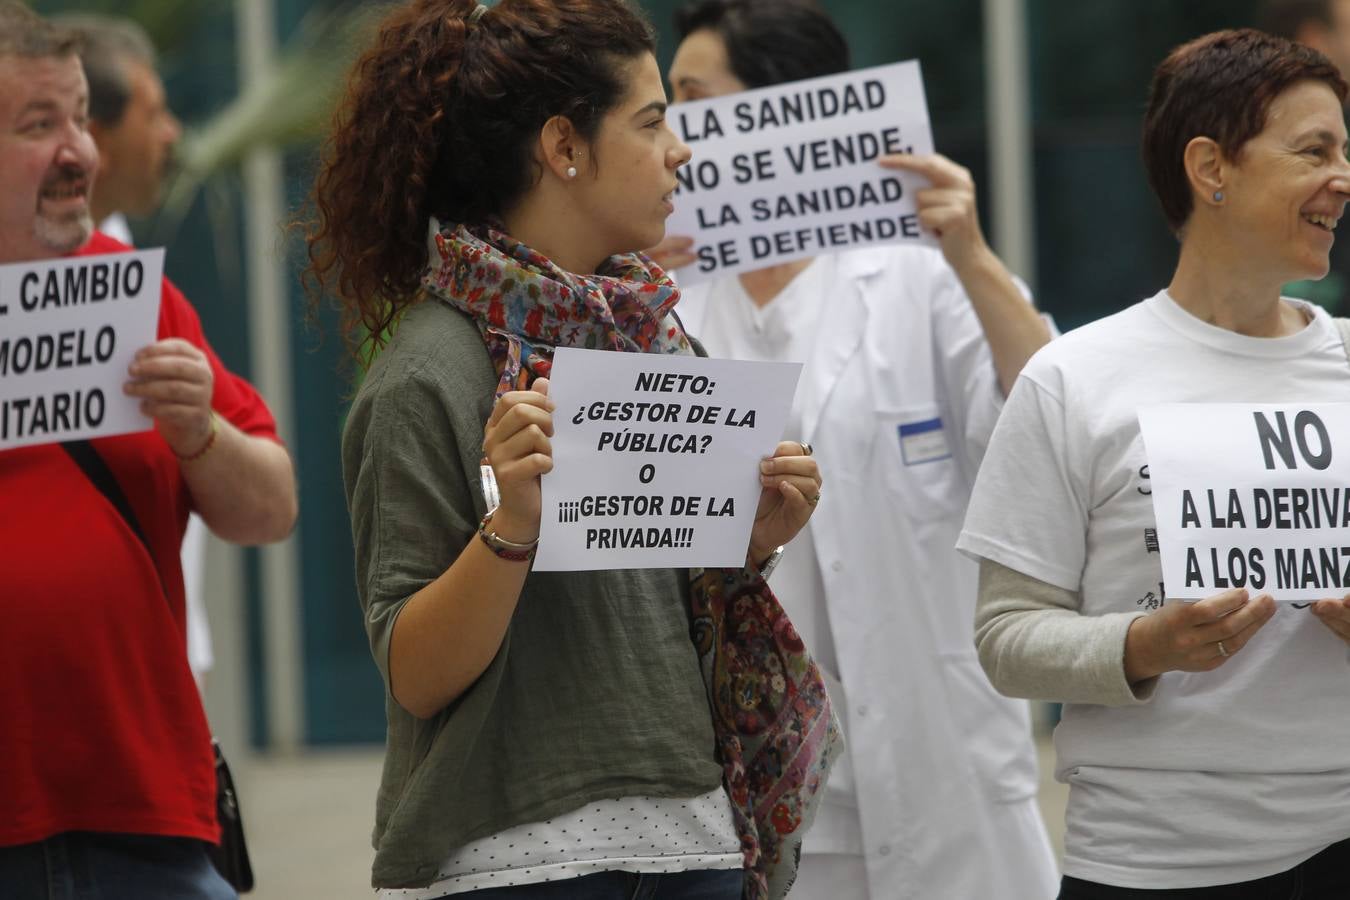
(1223, 651)
(806, 448)
(814, 500)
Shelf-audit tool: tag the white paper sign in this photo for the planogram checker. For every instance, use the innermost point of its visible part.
(656, 458)
(789, 171)
(68, 330)
(1251, 495)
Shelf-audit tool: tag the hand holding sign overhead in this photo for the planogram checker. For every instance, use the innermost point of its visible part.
(947, 207)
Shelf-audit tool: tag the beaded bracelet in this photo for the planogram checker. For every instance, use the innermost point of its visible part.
(210, 441)
(509, 550)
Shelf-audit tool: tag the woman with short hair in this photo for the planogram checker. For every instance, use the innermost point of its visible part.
(1205, 744)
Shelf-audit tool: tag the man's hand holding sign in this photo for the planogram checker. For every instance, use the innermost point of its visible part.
(173, 382)
(1264, 516)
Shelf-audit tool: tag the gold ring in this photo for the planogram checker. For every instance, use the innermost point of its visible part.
(1223, 651)
(814, 500)
(806, 448)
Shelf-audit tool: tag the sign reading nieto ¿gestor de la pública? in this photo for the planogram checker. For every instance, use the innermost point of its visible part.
(790, 171)
(1253, 496)
(656, 458)
(69, 329)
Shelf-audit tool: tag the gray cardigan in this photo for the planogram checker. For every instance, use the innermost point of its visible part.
(595, 692)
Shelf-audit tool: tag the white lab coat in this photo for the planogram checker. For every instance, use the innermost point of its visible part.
(945, 767)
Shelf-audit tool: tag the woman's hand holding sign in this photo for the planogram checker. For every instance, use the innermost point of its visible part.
(946, 208)
(791, 489)
(1335, 614)
(1194, 637)
(517, 446)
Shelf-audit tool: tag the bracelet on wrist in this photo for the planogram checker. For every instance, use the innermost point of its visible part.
(210, 441)
(770, 563)
(508, 550)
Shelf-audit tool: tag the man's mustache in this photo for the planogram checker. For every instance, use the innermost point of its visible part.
(67, 174)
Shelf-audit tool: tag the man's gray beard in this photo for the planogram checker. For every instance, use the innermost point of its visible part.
(65, 235)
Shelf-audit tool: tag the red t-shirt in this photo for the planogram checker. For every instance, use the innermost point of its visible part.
(101, 726)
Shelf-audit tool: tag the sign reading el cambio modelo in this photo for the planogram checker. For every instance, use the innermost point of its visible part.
(656, 458)
(1251, 495)
(68, 330)
(785, 172)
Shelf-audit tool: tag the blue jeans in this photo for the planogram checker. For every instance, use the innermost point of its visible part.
(1325, 876)
(705, 884)
(82, 865)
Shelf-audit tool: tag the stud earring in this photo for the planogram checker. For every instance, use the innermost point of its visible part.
(571, 171)
(1218, 196)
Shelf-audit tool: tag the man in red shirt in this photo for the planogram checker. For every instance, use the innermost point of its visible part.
(106, 771)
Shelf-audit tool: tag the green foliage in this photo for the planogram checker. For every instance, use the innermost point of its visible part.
(166, 21)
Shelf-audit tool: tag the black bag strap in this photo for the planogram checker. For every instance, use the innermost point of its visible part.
(230, 857)
(96, 470)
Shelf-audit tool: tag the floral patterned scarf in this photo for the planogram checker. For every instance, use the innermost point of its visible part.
(775, 730)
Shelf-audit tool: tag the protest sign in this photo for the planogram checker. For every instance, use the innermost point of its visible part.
(68, 330)
(789, 171)
(656, 458)
(1251, 495)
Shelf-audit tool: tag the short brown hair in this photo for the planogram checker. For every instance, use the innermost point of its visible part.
(1219, 86)
(25, 33)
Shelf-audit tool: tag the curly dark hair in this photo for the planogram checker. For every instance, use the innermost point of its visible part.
(439, 119)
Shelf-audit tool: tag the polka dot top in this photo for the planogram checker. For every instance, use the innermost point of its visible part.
(632, 834)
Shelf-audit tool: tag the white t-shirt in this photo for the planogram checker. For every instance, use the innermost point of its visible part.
(1223, 776)
(785, 330)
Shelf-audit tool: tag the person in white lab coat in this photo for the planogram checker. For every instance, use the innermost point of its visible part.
(908, 352)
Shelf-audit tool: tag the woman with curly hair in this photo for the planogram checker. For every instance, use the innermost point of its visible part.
(549, 734)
